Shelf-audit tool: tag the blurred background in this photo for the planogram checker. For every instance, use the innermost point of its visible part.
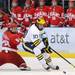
(6, 4)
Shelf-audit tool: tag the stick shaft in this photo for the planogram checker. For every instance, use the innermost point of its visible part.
(63, 58)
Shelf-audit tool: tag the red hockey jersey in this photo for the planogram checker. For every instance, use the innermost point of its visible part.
(56, 14)
(70, 14)
(11, 40)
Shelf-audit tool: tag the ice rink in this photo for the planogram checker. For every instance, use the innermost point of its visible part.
(36, 67)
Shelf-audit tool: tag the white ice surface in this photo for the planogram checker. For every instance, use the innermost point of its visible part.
(37, 68)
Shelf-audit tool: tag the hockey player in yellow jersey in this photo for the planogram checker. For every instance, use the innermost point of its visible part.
(36, 42)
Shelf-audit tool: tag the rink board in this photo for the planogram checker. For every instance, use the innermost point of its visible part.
(53, 55)
(66, 47)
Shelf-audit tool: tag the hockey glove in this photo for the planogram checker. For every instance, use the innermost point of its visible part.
(48, 49)
(45, 41)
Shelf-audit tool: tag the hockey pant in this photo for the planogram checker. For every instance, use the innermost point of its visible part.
(11, 57)
(41, 55)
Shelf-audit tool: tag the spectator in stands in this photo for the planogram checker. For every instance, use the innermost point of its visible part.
(42, 11)
(56, 15)
(28, 13)
(16, 12)
(4, 19)
(70, 15)
(18, 15)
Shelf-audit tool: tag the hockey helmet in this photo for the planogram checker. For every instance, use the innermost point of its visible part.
(41, 21)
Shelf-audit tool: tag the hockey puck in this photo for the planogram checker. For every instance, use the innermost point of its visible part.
(64, 72)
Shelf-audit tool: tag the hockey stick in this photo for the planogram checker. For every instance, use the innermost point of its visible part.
(63, 58)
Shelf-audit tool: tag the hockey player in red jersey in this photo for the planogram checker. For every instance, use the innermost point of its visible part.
(56, 15)
(42, 11)
(17, 14)
(70, 15)
(28, 13)
(9, 48)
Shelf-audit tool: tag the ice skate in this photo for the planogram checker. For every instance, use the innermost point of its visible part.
(53, 67)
